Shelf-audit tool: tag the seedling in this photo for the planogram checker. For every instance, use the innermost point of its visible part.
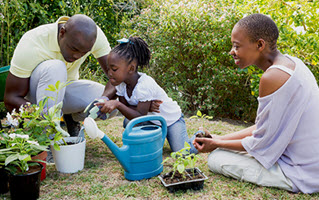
(199, 115)
(182, 159)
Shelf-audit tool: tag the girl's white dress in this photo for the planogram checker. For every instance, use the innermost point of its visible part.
(147, 89)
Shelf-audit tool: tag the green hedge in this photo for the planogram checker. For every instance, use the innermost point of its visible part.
(190, 41)
(303, 14)
(19, 16)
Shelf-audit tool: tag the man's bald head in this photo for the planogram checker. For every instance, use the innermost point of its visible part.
(80, 25)
(77, 37)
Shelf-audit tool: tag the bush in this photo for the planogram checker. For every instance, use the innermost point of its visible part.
(19, 16)
(190, 41)
(289, 17)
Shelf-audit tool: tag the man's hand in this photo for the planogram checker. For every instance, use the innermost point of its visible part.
(155, 104)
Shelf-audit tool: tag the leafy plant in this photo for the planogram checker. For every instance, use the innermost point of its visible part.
(16, 151)
(182, 159)
(39, 121)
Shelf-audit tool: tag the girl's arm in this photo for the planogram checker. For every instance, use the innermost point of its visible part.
(131, 113)
(122, 105)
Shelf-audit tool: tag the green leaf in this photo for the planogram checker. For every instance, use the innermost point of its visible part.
(51, 88)
(56, 147)
(166, 159)
(57, 85)
(11, 158)
(25, 157)
(181, 168)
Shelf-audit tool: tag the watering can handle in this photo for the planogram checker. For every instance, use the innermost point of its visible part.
(145, 118)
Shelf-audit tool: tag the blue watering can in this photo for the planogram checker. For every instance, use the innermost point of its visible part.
(142, 151)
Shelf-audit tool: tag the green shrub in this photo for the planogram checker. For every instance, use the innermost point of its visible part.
(19, 16)
(289, 15)
(190, 41)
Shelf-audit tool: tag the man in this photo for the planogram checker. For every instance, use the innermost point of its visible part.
(54, 52)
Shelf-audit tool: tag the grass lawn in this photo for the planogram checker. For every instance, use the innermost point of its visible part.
(103, 176)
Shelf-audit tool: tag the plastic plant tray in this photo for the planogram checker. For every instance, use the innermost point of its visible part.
(196, 184)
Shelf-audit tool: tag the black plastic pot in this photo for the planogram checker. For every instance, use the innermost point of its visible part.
(195, 184)
(25, 186)
(4, 181)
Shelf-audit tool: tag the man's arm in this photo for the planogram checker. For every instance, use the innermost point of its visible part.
(16, 89)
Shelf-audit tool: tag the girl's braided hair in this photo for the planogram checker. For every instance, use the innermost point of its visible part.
(135, 49)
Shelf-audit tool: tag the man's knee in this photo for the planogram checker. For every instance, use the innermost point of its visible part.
(55, 68)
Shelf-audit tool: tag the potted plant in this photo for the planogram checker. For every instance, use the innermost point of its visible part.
(41, 122)
(182, 177)
(68, 152)
(15, 155)
(71, 154)
(4, 179)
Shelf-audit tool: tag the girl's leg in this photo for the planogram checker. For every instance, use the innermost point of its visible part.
(244, 167)
(177, 136)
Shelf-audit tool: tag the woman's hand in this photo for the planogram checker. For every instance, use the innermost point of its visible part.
(205, 145)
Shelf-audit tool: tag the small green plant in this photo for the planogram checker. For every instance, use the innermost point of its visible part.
(16, 151)
(183, 159)
(40, 121)
(199, 115)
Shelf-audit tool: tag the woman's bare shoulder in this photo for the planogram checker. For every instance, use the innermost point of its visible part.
(271, 81)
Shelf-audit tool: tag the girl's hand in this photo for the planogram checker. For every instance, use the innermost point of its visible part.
(108, 106)
(207, 144)
(155, 104)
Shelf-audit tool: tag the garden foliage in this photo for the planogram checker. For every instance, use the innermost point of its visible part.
(19, 16)
(298, 26)
(190, 41)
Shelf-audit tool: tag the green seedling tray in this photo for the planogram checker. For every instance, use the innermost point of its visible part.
(3, 77)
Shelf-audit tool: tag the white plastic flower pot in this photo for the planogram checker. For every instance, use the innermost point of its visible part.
(70, 158)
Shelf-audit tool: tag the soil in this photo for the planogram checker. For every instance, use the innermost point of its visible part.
(203, 135)
(70, 143)
(179, 177)
(32, 169)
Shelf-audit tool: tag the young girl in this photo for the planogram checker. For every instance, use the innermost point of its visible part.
(137, 90)
(281, 149)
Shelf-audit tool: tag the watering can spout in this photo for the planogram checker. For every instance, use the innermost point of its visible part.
(94, 132)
